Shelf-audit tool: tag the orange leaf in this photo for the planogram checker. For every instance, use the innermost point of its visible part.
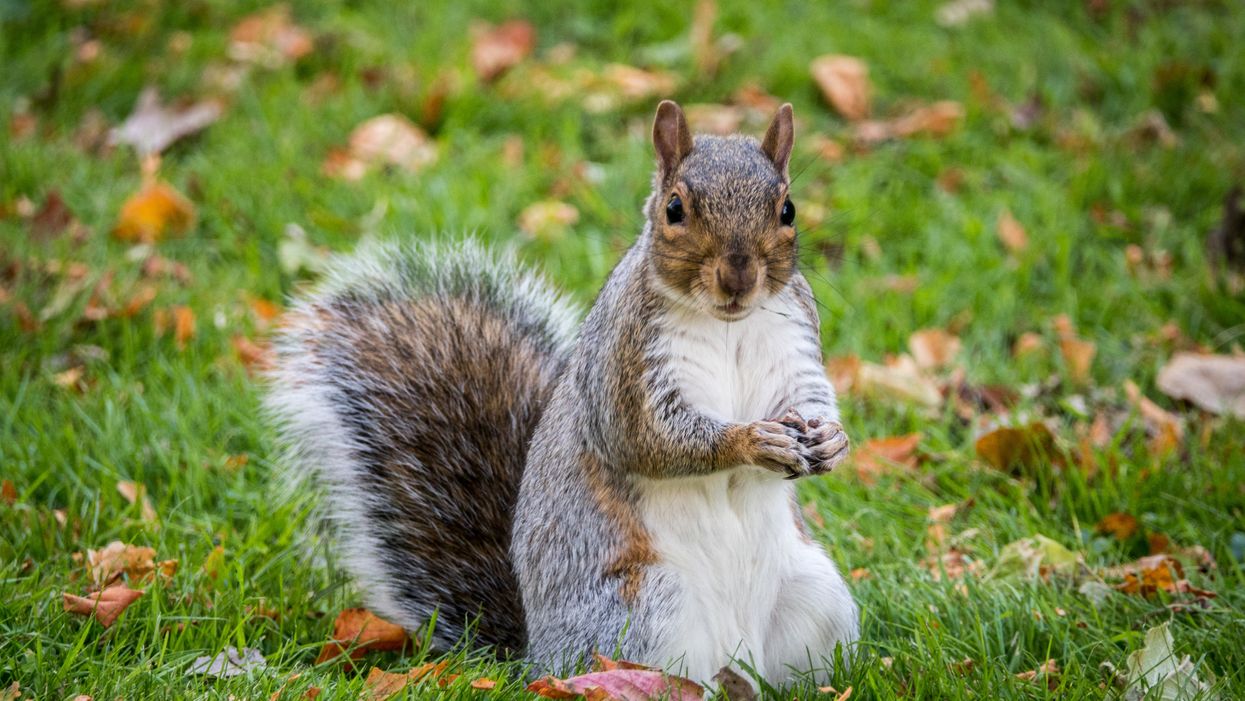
(105, 605)
(254, 356)
(365, 631)
(932, 348)
(183, 325)
(494, 50)
(269, 37)
(115, 559)
(1120, 525)
(879, 455)
(483, 684)
(133, 492)
(381, 685)
(844, 82)
(1006, 448)
(8, 492)
(153, 212)
(1011, 233)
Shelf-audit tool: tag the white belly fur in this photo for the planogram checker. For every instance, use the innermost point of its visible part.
(752, 588)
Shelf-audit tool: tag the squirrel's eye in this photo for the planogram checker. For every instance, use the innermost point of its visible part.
(788, 213)
(674, 210)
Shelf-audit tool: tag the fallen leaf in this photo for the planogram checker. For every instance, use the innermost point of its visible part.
(619, 685)
(1164, 428)
(71, 379)
(1011, 233)
(1152, 574)
(944, 513)
(860, 573)
(494, 50)
(937, 119)
(1078, 357)
(104, 605)
(844, 83)
(714, 118)
(8, 492)
(135, 562)
(183, 326)
(1120, 525)
(933, 348)
(843, 372)
(1214, 383)
(230, 662)
(133, 492)
(877, 456)
(384, 140)
(1026, 344)
(483, 684)
(899, 379)
(254, 356)
(955, 564)
(358, 631)
(1007, 448)
(381, 685)
(548, 220)
(1036, 557)
(1155, 668)
(52, 219)
(1048, 673)
(154, 212)
(214, 563)
(12, 693)
(269, 38)
(733, 686)
(958, 12)
(153, 126)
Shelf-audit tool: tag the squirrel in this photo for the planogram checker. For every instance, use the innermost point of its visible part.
(553, 489)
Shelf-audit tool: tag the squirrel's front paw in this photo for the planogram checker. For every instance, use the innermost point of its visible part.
(776, 447)
(827, 445)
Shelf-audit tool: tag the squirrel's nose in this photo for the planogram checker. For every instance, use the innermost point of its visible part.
(738, 276)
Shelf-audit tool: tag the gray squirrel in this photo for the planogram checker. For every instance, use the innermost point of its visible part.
(620, 485)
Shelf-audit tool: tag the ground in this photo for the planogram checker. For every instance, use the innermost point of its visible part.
(1109, 131)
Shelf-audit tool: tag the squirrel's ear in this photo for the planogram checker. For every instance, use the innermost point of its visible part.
(671, 137)
(779, 139)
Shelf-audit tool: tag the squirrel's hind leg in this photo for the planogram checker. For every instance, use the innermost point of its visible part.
(815, 620)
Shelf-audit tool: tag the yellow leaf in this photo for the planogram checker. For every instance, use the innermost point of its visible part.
(154, 212)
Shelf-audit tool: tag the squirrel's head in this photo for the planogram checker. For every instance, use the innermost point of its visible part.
(723, 228)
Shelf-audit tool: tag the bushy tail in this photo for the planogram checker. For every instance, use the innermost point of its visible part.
(407, 386)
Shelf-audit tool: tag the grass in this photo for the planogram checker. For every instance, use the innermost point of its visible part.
(1083, 185)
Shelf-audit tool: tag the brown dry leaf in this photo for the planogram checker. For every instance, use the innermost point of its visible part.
(154, 126)
(860, 573)
(8, 492)
(155, 211)
(844, 82)
(265, 311)
(843, 372)
(954, 563)
(1078, 357)
(1006, 447)
(933, 348)
(618, 685)
(706, 55)
(483, 684)
(381, 685)
(899, 379)
(1154, 573)
(361, 630)
(714, 118)
(1164, 428)
(733, 686)
(142, 297)
(494, 50)
(183, 325)
(1214, 383)
(133, 492)
(944, 513)
(52, 219)
(254, 356)
(107, 564)
(104, 605)
(1047, 673)
(880, 455)
(1011, 233)
(1026, 344)
(269, 38)
(1120, 525)
(72, 379)
(384, 140)
(938, 119)
(548, 220)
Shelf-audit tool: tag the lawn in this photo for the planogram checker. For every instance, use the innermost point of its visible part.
(1064, 207)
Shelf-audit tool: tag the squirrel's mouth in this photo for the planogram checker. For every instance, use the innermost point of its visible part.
(732, 310)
